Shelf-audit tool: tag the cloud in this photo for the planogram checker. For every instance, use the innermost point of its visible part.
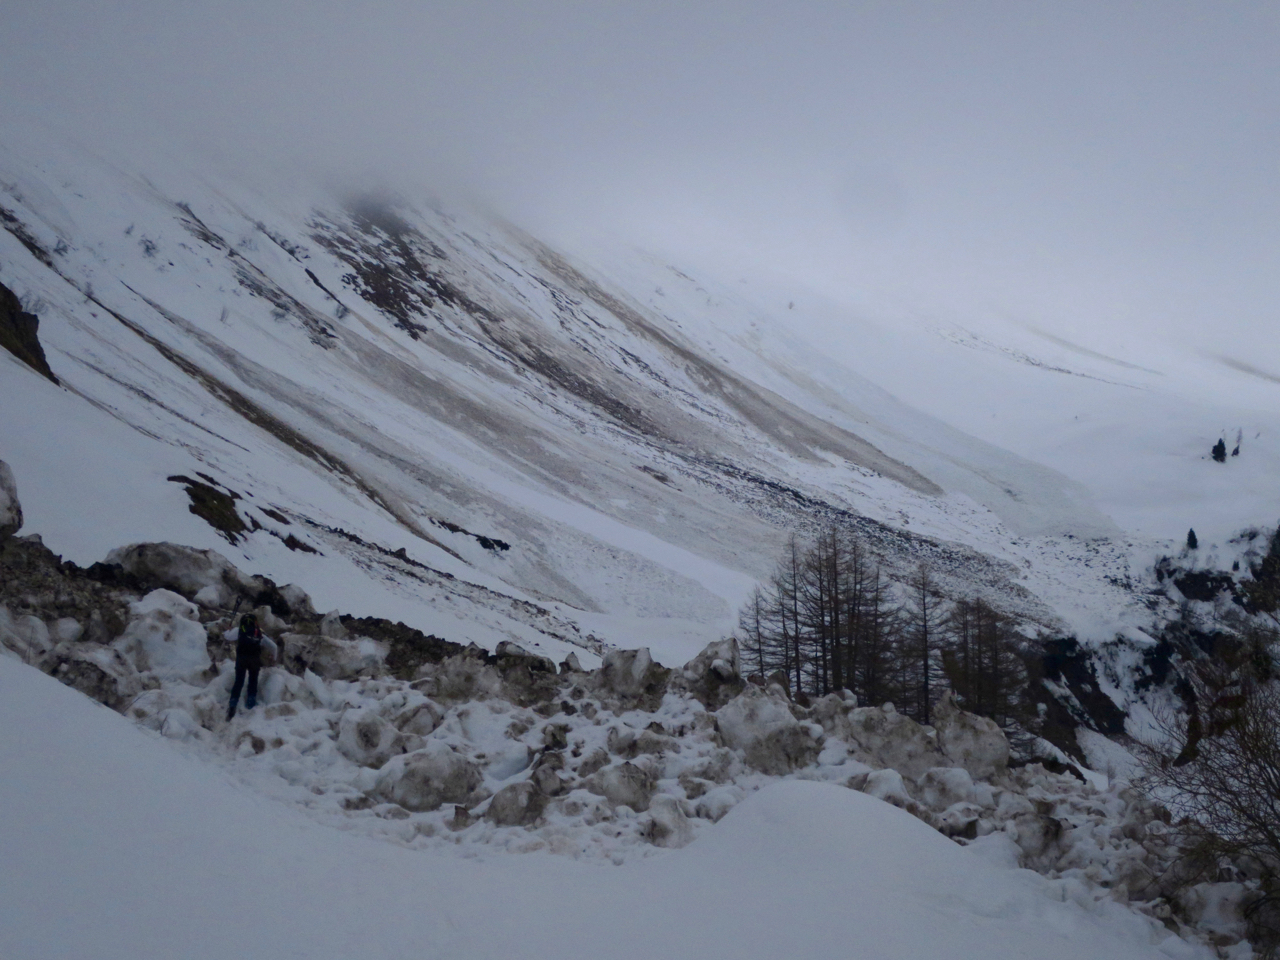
(1079, 164)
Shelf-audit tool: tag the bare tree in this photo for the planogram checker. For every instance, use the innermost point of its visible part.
(1221, 776)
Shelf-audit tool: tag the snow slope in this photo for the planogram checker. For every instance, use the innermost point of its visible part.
(491, 440)
(114, 844)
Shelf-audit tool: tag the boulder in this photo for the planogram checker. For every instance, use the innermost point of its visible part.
(427, 778)
(99, 672)
(366, 739)
(623, 784)
(668, 826)
(967, 740)
(10, 508)
(516, 805)
(165, 637)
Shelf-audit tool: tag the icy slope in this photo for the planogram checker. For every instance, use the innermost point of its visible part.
(115, 845)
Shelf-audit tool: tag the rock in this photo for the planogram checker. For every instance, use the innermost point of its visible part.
(668, 826)
(762, 725)
(975, 743)
(571, 664)
(714, 676)
(885, 738)
(427, 778)
(165, 637)
(623, 784)
(516, 805)
(10, 508)
(19, 334)
(366, 739)
(99, 672)
(633, 677)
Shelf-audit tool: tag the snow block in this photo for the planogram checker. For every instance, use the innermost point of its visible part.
(366, 739)
(668, 826)
(975, 743)
(429, 777)
(886, 738)
(102, 673)
(516, 805)
(165, 637)
(762, 725)
(714, 676)
(623, 784)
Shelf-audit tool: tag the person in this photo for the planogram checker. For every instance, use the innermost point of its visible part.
(249, 641)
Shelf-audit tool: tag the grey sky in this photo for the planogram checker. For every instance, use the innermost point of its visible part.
(1079, 164)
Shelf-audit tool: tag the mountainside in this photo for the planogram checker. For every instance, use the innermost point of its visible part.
(530, 482)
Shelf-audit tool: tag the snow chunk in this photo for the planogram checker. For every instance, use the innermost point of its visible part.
(427, 778)
(165, 637)
(970, 741)
(668, 826)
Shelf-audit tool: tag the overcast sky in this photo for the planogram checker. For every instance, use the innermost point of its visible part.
(1079, 165)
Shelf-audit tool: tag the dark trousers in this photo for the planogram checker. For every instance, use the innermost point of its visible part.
(251, 697)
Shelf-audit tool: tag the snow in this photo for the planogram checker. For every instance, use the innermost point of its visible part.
(115, 844)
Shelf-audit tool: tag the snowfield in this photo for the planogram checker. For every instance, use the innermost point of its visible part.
(116, 845)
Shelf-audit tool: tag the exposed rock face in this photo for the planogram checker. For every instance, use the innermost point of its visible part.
(427, 778)
(10, 508)
(975, 743)
(19, 333)
(516, 805)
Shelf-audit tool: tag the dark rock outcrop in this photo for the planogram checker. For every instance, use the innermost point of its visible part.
(19, 333)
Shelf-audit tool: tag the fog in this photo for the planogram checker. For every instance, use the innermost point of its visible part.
(1085, 168)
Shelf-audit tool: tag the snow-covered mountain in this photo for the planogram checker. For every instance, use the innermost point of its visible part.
(425, 413)
(417, 412)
